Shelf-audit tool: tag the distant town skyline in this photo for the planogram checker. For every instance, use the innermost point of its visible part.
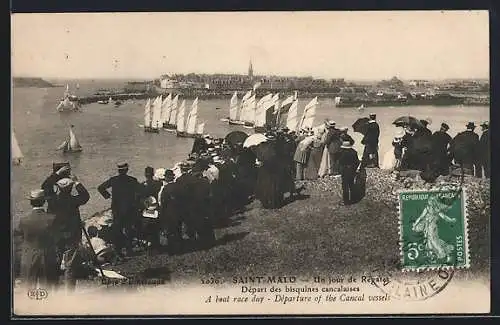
(351, 45)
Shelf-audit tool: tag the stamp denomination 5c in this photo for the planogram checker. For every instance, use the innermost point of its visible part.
(433, 229)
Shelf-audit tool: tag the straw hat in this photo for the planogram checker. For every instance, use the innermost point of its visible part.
(65, 182)
(160, 173)
(37, 195)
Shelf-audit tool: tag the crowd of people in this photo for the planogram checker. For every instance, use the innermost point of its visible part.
(220, 177)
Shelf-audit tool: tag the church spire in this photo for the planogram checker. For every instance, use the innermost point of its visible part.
(250, 70)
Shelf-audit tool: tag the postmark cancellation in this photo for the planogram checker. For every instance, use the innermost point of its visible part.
(433, 229)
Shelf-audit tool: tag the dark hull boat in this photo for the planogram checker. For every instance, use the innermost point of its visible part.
(151, 130)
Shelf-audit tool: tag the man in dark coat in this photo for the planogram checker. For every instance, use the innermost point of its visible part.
(68, 224)
(349, 163)
(170, 219)
(464, 148)
(193, 192)
(423, 130)
(441, 140)
(484, 151)
(370, 140)
(151, 186)
(39, 264)
(333, 143)
(125, 191)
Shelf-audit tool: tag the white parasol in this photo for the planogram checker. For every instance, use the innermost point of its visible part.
(254, 140)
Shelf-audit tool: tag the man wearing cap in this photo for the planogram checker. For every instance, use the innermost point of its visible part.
(349, 162)
(66, 206)
(125, 192)
(370, 140)
(38, 258)
(484, 151)
(440, 142)
(464, 149)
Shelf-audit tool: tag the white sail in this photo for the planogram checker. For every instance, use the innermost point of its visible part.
(172, 119)
(192, 118)
(147, 114)
(291, 120)
(17, 155)
(165, 109)
(181, 117)
(73, 141)
(156, 116)
(66, 92)
(251, 106)
(283, 108)
(233, 107)
(260, 110)
(247, 95)
(200, 128)
(309, 114)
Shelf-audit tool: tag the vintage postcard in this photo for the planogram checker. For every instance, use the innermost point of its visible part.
(255, 163)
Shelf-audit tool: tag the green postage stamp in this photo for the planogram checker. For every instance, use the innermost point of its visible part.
(433, 229)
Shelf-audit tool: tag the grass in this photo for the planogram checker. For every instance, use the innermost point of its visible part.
(315, 236)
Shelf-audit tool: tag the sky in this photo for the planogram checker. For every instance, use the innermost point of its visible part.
(350, 45)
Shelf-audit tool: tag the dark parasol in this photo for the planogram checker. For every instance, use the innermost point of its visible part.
(360, 125)
(235, 137)
(265, 152)
(408, 120)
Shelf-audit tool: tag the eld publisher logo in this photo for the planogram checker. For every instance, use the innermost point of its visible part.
(37, 294)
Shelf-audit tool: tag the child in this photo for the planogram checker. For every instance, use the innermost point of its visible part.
(105, 252)
(398, 148)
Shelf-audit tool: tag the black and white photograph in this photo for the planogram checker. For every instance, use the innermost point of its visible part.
(256, 163)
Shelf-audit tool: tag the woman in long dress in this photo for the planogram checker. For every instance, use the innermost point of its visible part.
(315, 155)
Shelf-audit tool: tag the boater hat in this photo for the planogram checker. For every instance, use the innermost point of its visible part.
(36, 195)
(470, 125)
(122, 166)
(346, 145)
(64, 182)
(445, 126)
(372, 115)
(485, 123)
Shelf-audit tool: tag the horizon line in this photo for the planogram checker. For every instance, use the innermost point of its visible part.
(238, 74)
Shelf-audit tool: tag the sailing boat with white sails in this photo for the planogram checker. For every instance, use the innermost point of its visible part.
(181, 119)
(165, 109)
(309, 114)
(69, 102)
(248, 112)
(191, 121)
(148, 117)
(71, 145)
(17, 155)
(171, 122)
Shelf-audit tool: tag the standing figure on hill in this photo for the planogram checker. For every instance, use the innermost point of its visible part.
(301, 155)
(68, 223)
(441, 141)
(349, 163)
(484, 151)
(125, 191)
(464, 149)
(315, 156)
(39, 265)
(370, 140)
(333, 143)
(423, 130)
(170, 219)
